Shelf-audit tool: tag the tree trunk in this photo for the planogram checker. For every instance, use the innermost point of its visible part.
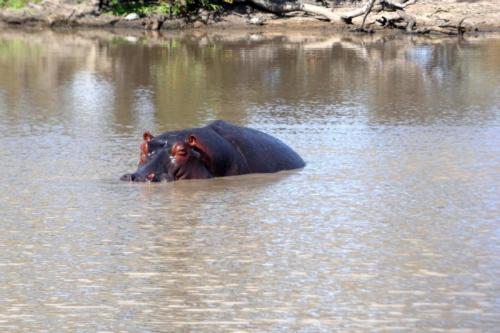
(369, 9)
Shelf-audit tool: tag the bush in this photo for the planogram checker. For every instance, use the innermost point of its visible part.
(169, 7)
(14, 4)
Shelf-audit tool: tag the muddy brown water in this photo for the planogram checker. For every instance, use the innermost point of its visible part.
(393, 225)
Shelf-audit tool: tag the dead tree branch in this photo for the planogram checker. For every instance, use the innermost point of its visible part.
(369, 9)
(281, 7)
(399, 19)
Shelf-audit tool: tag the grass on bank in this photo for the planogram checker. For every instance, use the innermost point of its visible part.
(119, 8)
(15, 4)
(168, 7)
(144, 7)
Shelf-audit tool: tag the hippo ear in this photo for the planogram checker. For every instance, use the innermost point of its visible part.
(147, 136)
(192, 140)
(200, 152)
(144, 147)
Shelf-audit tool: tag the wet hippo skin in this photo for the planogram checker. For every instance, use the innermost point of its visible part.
(216, 150)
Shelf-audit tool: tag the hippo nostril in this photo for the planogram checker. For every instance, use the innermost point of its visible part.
(150, 177)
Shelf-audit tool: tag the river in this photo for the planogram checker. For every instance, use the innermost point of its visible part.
(393, 225)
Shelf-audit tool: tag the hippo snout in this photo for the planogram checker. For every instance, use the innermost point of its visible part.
(128, 177)
(135, 177)
(149, 178)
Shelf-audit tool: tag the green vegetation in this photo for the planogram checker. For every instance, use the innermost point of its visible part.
(141, 7)
(15, 4)
(118, 7)
(169, 7)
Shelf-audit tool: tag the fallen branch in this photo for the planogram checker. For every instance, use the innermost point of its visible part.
(397, 5)
(281, 7)
(319, 10)
(376, 6)
(400, 19)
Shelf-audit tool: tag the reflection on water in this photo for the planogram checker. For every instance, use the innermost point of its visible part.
(393, 224)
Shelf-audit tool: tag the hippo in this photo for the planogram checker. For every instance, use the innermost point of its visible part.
(218, 149)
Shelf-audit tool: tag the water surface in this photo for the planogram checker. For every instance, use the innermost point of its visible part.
(392, 226)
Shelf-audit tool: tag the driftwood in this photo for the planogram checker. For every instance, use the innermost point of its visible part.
(399, 19)
(390, 14)
(386, 14)
(285, 6)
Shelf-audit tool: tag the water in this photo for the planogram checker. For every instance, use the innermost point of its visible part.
(392, 226)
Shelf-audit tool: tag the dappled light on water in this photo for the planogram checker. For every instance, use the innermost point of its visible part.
(392, 225)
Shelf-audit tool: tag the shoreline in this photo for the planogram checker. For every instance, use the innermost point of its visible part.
(478, 16)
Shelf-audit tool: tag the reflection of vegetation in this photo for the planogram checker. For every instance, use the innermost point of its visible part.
(207, 76)
(31, 71)
(120, 40)
(181, 80)
(18, 50)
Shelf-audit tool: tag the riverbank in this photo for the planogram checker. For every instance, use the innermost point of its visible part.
(481, 16)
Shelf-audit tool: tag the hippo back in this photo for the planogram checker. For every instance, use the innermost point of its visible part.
(262, 152)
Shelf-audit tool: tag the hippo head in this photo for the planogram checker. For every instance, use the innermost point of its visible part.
(169, 158)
